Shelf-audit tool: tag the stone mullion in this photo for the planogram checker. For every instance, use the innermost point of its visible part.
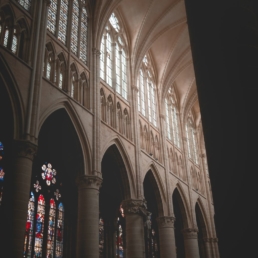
(23, 155)
(166, 162)
(87, 245)
(136, 133)
(167, 237)
(191, 243)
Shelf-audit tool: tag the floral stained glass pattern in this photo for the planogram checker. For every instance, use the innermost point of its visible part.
(48, 174)
(51, 228)
(59, 231)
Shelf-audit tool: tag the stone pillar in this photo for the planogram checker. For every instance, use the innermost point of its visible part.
(134, 211)
(88, 217)
(208, 247)
(24, 152)
(191, 243)
(167, 237)
(215, 248)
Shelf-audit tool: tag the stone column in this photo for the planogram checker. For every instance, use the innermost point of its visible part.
(167, 237)
(24, 152)
(191, 243)
(215, 248)
(208, 247)
(88, 217)
(134, 211)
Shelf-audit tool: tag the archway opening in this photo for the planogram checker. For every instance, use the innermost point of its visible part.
(179, 223)
(115, 189)
(202, 233)
(154, 206)
(52, 204)
(6, 142)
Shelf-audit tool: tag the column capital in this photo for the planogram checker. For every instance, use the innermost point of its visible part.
(89, 182)
(96, 51)
(25, 149)
(190, 233)
(135, 88)
(132, 206)
(162, 116)
(166, 221)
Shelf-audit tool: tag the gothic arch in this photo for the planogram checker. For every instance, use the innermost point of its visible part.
(184, 207)
(160, 189)
(125, 163)
(204, 221)
(10, 84)
(78, 126)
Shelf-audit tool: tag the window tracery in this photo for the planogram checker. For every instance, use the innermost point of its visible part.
(44, 208)
(26, 4)
(147, 91)
(191, 139)
(172, 121)
(113, 61)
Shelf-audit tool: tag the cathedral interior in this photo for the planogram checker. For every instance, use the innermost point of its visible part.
(124, 128)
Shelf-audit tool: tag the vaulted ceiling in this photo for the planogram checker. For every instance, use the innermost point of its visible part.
(158, 27)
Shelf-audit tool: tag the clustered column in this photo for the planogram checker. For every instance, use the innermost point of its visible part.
(167, 237)
(191, 243)
(134, 212)
(24, 153)
(88, 216)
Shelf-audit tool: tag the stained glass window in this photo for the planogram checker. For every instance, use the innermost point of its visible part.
(29, 226)
(63, 18)
(142, 93)
(119, 239)
(101, 238)
(75, 27)
(25, 4)
(2, 173)
(168, 119)
(191, 141)
(84, 35)
(6, 36)
(45, 217)
(124, 75)
(48, 70)
(118, 70)
(14, 43)
(102, 58)
(52, 13)
(114, 22)
(60, 80)
(109, 60)
(39, 232)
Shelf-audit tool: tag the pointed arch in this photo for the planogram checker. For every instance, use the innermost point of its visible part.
(74, 81)
(61, 67)
(158, 186)
(10, 84)
(183, 203)
(78, 126)
(126, 165)
(200, 211)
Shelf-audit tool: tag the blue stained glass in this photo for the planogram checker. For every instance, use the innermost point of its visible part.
(1, 146)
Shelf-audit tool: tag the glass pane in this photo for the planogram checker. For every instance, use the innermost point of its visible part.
(52, 12)
(101, 238)
(29, 227)
(124, 75)
(25, 4)
(40, 217)
(102, 59)
(118, 70)
(6, 35)
(109, 61)
(51, 228)
(63, 21)
(14, 44)
(114, 22)
(84, 36)
(59, 231)
(60, 81)
(75, 27)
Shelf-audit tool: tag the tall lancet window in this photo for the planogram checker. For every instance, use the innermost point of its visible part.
(52, 16)
(172, 118)
(75, 27)
(45, 217)
(113, 59)
(147, 91)
(191, 139)
(63, 19)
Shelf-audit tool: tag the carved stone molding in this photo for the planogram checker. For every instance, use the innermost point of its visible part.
(190, 233)
(214, 240)
(24, 149)
(166, 221)
(96, 52)
(135, 88)
(89, 182)
(135, 207)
